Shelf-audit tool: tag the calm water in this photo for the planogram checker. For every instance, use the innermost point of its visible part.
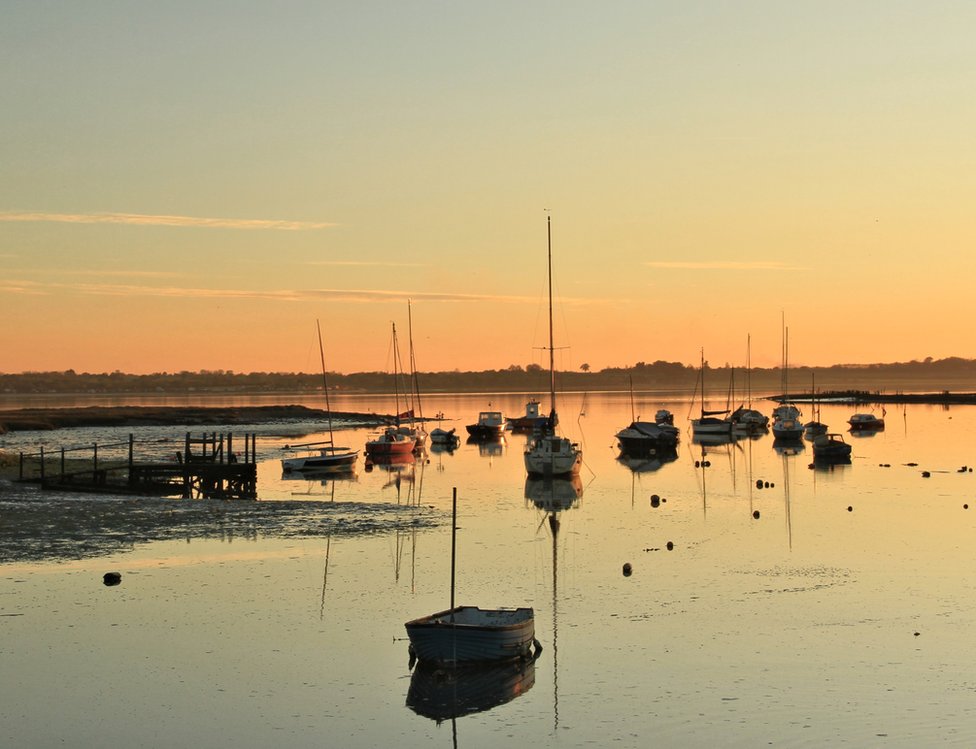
(843, 615)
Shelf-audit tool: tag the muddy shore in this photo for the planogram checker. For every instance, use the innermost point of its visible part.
(131, 416)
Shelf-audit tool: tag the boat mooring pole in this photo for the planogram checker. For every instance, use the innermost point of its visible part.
(453, 544)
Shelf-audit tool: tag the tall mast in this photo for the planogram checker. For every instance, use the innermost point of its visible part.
(325, 381)
(552, 351)
(413, 362)
(396, 389)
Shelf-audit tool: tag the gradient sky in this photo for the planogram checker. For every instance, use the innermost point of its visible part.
(190, 185)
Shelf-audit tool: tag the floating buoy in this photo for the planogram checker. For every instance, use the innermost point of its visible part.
(925, 474)
(766, 485)
(759, 483)
(850, 509)
(655, 500)
(627, 569)
(112, 578)
(755, 514)
(965, 507)
(697, 464)
(670, 546)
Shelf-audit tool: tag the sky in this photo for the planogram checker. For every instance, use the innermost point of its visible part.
(190, 186)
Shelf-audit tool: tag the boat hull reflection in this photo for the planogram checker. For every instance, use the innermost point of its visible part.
(554, 494)
(441, 693)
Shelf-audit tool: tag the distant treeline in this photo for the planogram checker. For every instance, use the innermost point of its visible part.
(930, 375)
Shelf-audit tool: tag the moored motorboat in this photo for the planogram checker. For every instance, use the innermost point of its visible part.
(530, 420)
(831, 447)
(866, 422)
(644, 438)
(489, 426)
(444, 437)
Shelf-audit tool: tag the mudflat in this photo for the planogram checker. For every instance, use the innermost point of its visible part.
(121, 416)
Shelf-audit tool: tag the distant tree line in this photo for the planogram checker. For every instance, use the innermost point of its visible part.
(953, 373)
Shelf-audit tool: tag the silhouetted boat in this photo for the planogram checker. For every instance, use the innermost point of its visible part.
(831, 447)
(489, 426)
(328, 456)
(867, 422)
(530, 421)
(468, 634)
(548, 454)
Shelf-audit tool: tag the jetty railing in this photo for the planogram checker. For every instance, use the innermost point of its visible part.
(207, 467)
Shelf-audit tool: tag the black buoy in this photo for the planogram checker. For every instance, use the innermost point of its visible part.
(759, 483)
(670, 546)
(655, 500)
(112, 578)
(850, 509)
(766, 485)
(627, 569)
(755, 514)
(965, 507)
(925, 474)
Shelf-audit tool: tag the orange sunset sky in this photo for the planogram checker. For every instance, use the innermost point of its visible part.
(189, 186)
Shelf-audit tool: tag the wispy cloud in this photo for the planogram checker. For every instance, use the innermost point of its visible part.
(348, 296)
(365, 264)
(137, 219)
(721, 265)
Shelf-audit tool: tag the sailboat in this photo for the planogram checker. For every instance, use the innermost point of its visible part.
(787, 426)
(328, 456)
(746, 418)
(392, 442)
(548, 454)
(708, 423)
(414, 428)
(815, 428)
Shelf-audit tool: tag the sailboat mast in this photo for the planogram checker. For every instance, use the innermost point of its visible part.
(552, 350)
(396, 389)
(325, 382)
(413, 362)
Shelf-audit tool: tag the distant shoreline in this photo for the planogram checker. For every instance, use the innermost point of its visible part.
(863, 396)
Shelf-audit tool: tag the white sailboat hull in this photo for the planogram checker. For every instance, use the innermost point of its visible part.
(553, 456)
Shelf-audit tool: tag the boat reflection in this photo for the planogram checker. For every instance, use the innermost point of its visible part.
(829, 465)
(554, 494)
(322, 475)
(390, 463)
(789, 447)
(648, 463)
(488, 448)
(444, 693)
(714, 439)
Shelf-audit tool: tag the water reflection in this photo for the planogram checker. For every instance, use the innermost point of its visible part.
(445, 693)
(488, 448)
(789, 447)
(647, 463)
(554, 494)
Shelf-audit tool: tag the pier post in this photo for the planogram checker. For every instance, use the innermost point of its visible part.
(62, 465)
(42, 465)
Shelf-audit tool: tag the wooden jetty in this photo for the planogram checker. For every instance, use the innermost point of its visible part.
(206, 468)
(943, 398)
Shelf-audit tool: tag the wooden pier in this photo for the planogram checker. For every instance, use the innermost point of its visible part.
(206, 468)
